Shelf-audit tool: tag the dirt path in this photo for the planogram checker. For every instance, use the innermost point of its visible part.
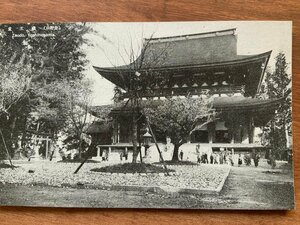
(255, 188)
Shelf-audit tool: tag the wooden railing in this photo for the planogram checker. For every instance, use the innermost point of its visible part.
(184, 91)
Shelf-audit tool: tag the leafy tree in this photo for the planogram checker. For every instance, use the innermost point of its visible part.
(39, 55)
(77, 103)
(278, 85)
(177, 118)
(14, 83)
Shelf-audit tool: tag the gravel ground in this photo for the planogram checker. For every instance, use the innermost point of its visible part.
(61, 174)
(245, 188)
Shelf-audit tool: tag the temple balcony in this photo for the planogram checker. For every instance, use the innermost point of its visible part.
(185, 91)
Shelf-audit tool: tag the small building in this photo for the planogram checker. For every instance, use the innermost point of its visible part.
(203, 64)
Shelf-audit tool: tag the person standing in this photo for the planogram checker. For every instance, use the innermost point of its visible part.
(181, 155)
(211, 158)
(230, 159)
(256, 160)
(29, 151)
(217, 158)
(240, 161)
(199, 157)
(221, 157)
(205, 158)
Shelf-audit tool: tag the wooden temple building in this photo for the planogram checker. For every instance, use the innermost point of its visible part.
(197, 65)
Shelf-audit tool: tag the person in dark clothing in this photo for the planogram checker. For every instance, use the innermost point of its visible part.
(181, 155)
(211, 159)
(256, 160)
(240, 161)
(202, 158)
(205, 158)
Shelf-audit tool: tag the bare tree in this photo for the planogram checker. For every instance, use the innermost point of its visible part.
(136, 76)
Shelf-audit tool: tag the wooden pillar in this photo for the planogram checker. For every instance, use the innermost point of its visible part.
(233, 134)
(246, 134)
(251, 135)
(109, 152)
(98, 151)
(47, 147)
(211, 132)
(113, 133)
(250, 130)
(118, 132)
(229, 123)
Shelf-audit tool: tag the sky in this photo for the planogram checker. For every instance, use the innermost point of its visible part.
(112, 42)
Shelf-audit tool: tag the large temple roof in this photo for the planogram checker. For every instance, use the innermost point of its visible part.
(192, 54)
(201, 49)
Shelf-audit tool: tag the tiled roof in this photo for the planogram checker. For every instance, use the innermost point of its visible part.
(195, 51)
(219, 103)
(243, 102)
(188, 50)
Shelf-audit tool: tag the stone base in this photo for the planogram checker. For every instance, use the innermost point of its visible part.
(97, 158)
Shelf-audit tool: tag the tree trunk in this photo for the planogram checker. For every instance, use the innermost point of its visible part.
(79, 147)
(139, 141)
(13, 126)
(175, 152)
(134, 139)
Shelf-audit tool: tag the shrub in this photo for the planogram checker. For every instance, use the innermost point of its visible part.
(132, 168)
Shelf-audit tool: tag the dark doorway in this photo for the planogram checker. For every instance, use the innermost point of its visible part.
(200, 136)
(222, 136)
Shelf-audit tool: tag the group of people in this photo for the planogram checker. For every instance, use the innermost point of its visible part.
(215, 158)
(224, 157)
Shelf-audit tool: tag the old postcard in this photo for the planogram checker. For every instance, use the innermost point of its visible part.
(147, 115)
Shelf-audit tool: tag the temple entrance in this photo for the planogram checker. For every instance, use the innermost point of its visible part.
(200, 136)
(222, 136)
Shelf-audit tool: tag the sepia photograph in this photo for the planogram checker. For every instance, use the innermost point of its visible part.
(183, 115)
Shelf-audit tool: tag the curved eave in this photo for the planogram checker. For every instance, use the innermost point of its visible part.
(265, 105)
(118, 75)
(263, 71)
(114, 75)
(250, 59)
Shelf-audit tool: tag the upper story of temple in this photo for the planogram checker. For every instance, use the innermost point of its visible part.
(192, 64)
